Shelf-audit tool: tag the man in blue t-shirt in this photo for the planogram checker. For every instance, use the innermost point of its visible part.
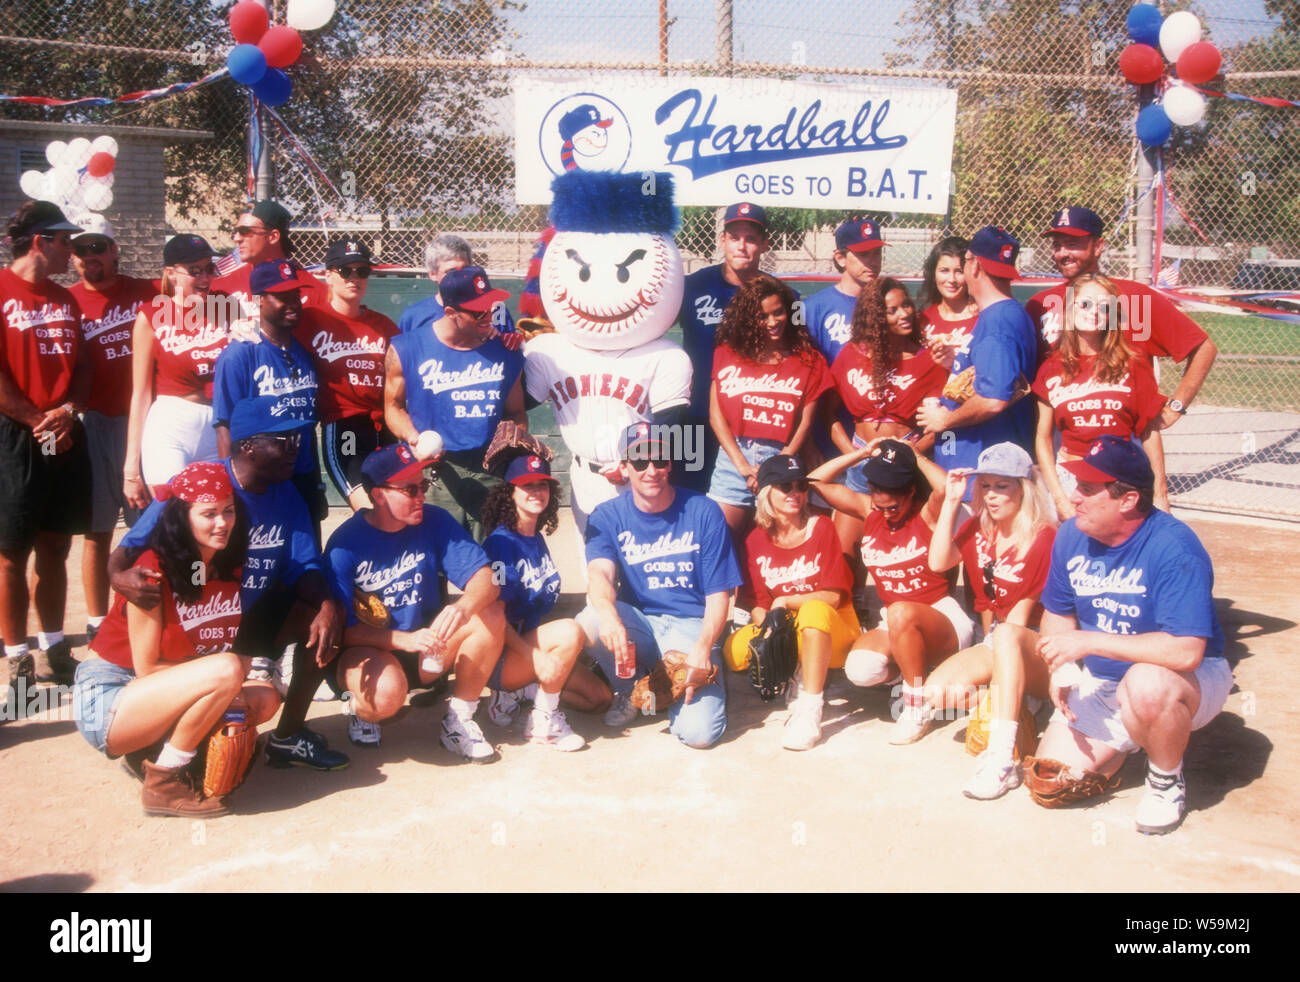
(445, 253)
(385, 563)
(455, 381)
(660, 571)
(285, 595)
(984, 400)
(828, 314)
(1129, 599)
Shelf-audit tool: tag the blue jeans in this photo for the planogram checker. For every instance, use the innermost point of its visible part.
(727, 485)
(702, 723)
(97, 686)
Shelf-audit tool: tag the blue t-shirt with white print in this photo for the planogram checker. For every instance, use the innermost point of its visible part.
(247, 369)
(526, 574)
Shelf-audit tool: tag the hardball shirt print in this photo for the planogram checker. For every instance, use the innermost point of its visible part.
(246, 369)
(526, 573)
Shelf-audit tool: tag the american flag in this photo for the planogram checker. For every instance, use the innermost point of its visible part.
(228, 263)
(1168, 277)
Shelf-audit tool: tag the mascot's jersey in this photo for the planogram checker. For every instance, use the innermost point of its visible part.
(596, 395)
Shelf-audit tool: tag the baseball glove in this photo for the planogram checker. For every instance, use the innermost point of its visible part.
(230, 751)
(977, 730)
(667, 681)
(773, 654)
(509, 439)
(960, 387)
(1053, 785)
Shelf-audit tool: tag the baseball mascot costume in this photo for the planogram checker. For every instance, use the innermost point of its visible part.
(610, 281)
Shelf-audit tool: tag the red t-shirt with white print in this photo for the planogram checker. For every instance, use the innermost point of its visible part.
(42, 330)
(1086, 408)
(899, 560)
(815, 565)
(764, 402)
(911, 381)
(1015, 577)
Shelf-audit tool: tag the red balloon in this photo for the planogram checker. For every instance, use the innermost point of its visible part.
(248, 21)
(1199, 63)
(101, 164)
(281, 45)
(1141, 64)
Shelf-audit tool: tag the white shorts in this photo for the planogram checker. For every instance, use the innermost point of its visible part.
(177, 433)
(961, 623)
(1095, 704)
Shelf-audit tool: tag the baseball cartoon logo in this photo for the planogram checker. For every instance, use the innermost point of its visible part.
(1006, 252)
(405, 455)
(480, 284)
(286, 270)
(584, 131)
(867, 230)
(534, 463)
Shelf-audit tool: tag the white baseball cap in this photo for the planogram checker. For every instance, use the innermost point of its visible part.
(1005, 460)
(93, 224)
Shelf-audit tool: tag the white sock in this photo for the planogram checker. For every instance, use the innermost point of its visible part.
(171, 757)
(1176, 773)
(530, 690)
(913, 694)
(547, 702)
(463, 708)
(15, 650)
(1002, 738)
(48, 641)
(94, 622)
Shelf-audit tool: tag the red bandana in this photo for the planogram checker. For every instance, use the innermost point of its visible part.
(201, 483)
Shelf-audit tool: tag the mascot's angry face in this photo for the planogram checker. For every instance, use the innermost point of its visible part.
(611, 291)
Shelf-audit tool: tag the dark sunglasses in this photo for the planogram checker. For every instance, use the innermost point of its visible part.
(62, 238)
(987, 569)
(95, 248)
(791, 487)
(347, 272)
(291, 442)
(410, 490)
(887, 509)
(641, 463)
(250, 230)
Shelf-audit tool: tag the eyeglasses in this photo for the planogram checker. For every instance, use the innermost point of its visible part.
(641, 463)
(1087, 304)
(412, 491)
(291, 442)
(247, 230)
(96, 248)
(197, 271)
(62, 238)
(347, 272)
(987, 570)
(792, 487)
(887, 509)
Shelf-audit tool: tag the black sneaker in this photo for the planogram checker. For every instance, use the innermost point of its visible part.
(18, 668)
(56, 664)
(306, 748)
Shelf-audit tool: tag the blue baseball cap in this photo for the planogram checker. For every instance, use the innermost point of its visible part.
(996, 249)
(394, 463)
(1076, 221)
(262, 414)
(274, 276)
(641, 437)
(858, 235)
(529, 469)
(744, 211)
(576, 120)
(186, 248)
(1114, 458)
(468, 288)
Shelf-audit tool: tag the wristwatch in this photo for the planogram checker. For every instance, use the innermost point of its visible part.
(1178, 406)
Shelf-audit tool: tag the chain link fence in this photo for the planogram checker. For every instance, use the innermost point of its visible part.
(405, 107)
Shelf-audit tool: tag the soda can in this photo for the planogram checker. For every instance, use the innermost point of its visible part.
(625, 667)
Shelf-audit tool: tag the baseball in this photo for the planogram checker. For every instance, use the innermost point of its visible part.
(428, 445)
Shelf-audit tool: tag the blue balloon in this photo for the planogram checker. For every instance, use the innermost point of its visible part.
(275, 88)
(1153, 126)
(1143, 24)
(247, 64)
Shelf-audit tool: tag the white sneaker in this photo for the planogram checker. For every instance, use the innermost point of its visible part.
(993, 777)
(463, 737)
(913, 723)
(503, 706)
(552, 729)
(804, 727)
(282, 671)
(361, 732)
(1163, 804)
(621, 712)
(261, 670)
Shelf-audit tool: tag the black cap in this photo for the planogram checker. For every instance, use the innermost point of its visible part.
(272, 214)
(346, 250)
(779, 469)
(186, 248)
(891, 466)
(43, 216)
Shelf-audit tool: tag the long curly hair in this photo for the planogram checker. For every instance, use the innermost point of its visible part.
(953, 247)
(871, 327)
(499, 509)
(742, 327)
(1113, 359)
(173, 543)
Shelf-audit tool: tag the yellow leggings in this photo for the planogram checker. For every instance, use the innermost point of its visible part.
(841, 625)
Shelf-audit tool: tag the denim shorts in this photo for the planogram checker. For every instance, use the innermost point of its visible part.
(727, 485)
(97, 687)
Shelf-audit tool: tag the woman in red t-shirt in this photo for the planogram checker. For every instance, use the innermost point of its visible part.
(794, 561)
(921, 622)
(348, 343)
(1006, 548)
(948, 313)
(767, 378)
(175, 346)
(167, 675)
(1093, 385)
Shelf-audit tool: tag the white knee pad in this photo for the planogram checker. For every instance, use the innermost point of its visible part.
(866, 667)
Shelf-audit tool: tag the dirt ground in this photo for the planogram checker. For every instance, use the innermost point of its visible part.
(638, 811)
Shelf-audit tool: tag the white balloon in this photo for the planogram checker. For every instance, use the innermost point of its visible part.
(64, 179)
(97, 198)
(78, 152)
(104, 182)
(1178, 32)
(74, 202)
(103, 144)
(55, 151)
(309, 15)
(1184, 106)
(33, 183)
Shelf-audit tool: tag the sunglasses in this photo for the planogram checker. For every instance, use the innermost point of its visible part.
(96, 248)
(887, 509)
(641, 463)
(792, 487)
(291, 442)
(987, 570)
(62, 238)
(412, 491)
(246, 230)
(347, 272)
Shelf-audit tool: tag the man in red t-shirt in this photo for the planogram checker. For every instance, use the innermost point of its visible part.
(262, 235)
(44, 466)
(109, 303)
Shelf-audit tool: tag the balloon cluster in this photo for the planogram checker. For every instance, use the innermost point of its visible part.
(1176, 38)
(261, 51)
(80, 178)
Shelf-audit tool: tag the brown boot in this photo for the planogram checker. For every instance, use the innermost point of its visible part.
(172, 791)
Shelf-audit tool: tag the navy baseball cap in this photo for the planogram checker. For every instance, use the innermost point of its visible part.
(576, 120)
(262, 414)
(389, 465)
(892, 466)
(1114, 458)
(186, 248)
(44, 216)
(343, 251)
(272, 214)
(744, 211)
(996, 249)
(779, 469)
(529, 469)
(858, 235)
(274, 276)
(468, 288)
(1076, 221)
(641, 437)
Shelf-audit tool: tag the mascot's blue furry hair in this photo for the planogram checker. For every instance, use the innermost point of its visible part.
(606, 201)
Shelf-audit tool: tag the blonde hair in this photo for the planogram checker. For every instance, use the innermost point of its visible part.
(765, 514)
(1035, 513)
(1113, 358)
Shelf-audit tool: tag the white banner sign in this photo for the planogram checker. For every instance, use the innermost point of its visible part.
(792, 144)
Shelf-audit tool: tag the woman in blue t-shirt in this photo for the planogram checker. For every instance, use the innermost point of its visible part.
(540, 659)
